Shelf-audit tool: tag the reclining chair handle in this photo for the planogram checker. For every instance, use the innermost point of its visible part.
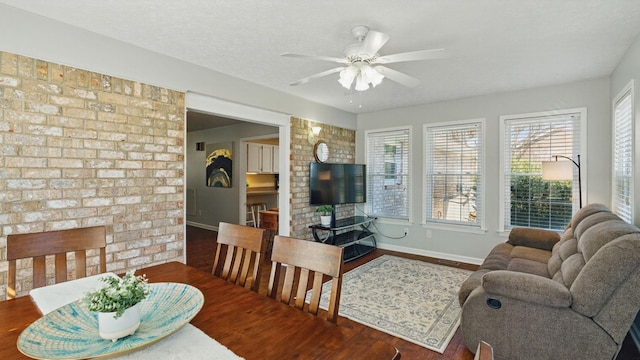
(494, 303)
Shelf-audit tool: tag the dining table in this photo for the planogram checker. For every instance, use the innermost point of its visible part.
(250, 324)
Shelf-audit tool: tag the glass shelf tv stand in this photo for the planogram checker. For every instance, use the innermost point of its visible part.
(351, 233)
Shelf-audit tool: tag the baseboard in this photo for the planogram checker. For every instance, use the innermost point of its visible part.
(434, 254)
(202, 226)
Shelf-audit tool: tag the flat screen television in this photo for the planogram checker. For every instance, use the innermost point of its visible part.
(332, 184)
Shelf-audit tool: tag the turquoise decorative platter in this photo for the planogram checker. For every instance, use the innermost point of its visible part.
(71, 332)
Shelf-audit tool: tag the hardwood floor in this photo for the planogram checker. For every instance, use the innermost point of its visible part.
(200, 252)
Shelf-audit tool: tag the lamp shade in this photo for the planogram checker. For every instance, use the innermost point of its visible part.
(557, 170)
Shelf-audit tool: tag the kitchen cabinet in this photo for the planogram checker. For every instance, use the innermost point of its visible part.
(263, 158)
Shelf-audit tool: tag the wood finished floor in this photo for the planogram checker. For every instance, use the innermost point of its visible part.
(200, 252)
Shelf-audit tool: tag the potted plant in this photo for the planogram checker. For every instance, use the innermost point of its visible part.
(118, 304)
(325, 212)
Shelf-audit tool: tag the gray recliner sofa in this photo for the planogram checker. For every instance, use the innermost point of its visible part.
(542, 295)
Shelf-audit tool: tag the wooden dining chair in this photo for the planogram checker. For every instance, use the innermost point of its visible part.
(306, 256)
(57, 243)
(245, 248)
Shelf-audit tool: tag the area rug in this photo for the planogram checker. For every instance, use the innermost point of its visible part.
(410, 299)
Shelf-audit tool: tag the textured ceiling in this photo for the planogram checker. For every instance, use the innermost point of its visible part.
(496, 45)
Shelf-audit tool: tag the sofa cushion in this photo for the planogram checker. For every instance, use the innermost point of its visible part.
(498, 258)
(529, 267)
(592, 220)
(600, 234)
(523, 252)
(602, 275)
(585, 212)
(570, 269)
(554, 264)
(533, 238)
(567, 248)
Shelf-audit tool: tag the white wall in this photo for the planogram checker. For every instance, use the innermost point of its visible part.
(627, 70)
(469, 247)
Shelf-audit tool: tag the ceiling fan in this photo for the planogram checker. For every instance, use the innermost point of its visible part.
(363, 65)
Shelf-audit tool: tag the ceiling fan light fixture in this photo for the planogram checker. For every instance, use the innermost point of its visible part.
(371, 75)
(363, 64)
(347, 75)
(361, 83)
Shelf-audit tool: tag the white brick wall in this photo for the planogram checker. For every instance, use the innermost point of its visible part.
(80, 149)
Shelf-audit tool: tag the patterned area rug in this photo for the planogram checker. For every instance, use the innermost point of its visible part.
(410, 299)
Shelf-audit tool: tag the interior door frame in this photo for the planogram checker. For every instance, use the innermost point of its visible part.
(209, 104)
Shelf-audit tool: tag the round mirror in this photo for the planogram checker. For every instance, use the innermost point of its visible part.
(321, 151)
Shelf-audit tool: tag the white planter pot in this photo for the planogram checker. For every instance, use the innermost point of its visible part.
(325, 220)
(114, 329)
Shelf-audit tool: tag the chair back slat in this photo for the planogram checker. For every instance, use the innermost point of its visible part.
(57, 243)
(239, 254)
(308, 258)
(61, 267)
(39, 271)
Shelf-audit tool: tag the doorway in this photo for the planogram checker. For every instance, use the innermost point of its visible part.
(248, 117)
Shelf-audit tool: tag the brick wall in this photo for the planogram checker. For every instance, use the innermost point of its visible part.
(342, 149)
(80, 149)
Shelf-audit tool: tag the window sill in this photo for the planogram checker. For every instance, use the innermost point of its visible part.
(457, 228)
(392, 221)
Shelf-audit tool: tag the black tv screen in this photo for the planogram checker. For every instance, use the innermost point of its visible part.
(331, 184)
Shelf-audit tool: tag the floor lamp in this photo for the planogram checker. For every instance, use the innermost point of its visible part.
(562, 170)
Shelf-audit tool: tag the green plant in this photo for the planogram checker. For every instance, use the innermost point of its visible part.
(118, 294)
(324, 210)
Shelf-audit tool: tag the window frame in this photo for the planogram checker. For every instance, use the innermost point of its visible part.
(409, 172)
(626, 92)
(503, 228)
(479, 227)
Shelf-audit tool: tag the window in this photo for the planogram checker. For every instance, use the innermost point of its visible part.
(388, 173)
(623, 154)
(454, 166)
(528, 140)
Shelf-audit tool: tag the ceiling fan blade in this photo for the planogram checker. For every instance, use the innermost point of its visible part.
(414, 56)
(316, 57)
(373, 42)
(315, 76)
(397, 76)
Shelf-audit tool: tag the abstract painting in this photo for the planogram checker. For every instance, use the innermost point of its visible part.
(218, 165)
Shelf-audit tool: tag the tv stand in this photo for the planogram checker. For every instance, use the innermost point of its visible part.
(351, 233)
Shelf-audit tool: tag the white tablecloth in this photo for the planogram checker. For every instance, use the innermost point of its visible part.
(188, 343)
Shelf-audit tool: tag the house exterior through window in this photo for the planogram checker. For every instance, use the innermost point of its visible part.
(527, 141)
(454, 156)
(388, 173)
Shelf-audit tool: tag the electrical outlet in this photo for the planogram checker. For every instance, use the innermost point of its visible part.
(406, 230)
(429, 234)
(199, 212)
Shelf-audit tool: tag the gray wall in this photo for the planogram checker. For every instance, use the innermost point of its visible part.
(471, 247)
(218, 204)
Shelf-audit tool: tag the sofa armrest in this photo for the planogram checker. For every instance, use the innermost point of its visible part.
(526, 287)
(534, 238)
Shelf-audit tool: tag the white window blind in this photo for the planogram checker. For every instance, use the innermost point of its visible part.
(623, 156)
(529, 200)
(388, 173)
(453, 164)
